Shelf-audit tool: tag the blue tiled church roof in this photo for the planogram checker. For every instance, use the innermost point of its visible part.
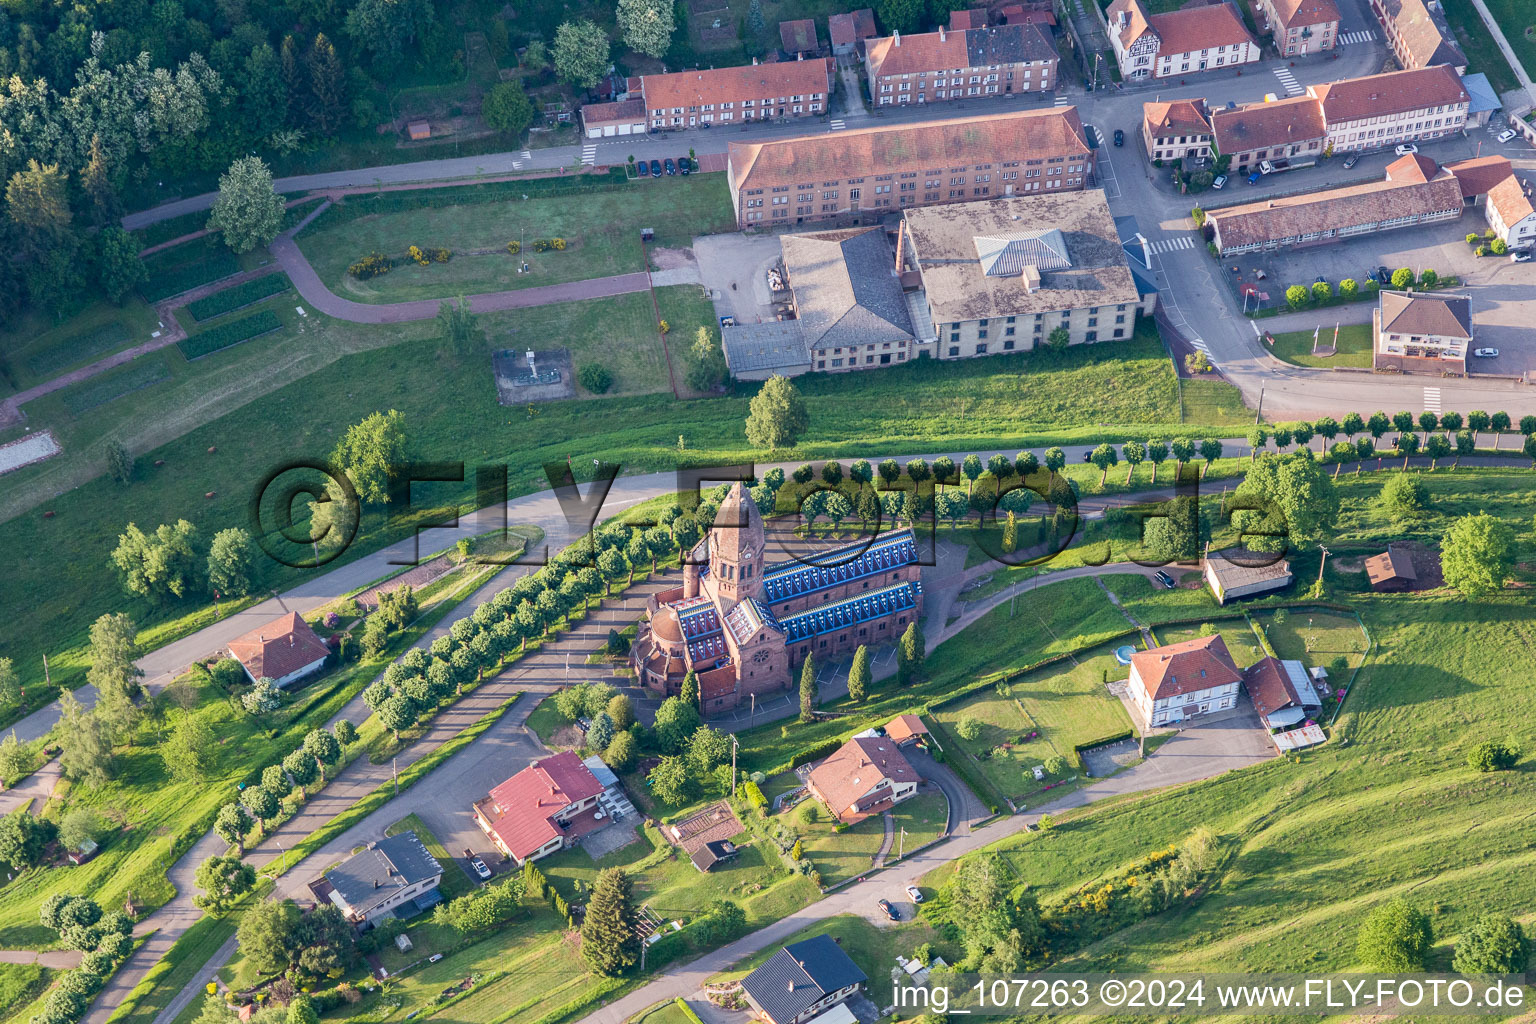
(850, 612)
(785, 580)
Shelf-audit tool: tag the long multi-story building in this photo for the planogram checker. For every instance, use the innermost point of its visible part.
(1392, 108)
(864, 174)
(715, 96)
(1183, 42)
(1255, 132)
(1300, 27)
(1418, 33)
(997, 60)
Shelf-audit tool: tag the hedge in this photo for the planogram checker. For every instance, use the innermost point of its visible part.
(808, 754)
(687, 1011)
(955, 759)
(232, 333)
(356, 206)
(238, 297)
(184, 277)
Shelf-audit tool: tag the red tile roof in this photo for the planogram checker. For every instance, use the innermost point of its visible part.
(1198, 664)
(732, 85)
(1199, 28)
(1018, 43)
(1261, 125)
(1480, 174)
(856, 767)
(283, 645)
(1394, 92)
(630, 111)
(969, 18)
(847, 29)
(1509, 198)
(1415, 167)
(1177, 117)
(798, 35)
(1297, 13)
(1269, 687)
(526, 804)
(904, 727)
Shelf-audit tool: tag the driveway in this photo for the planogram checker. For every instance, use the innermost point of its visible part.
(965, 807)
(734, 269)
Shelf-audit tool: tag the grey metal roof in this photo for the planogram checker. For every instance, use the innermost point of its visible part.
(800, 974)
(600, 771)
(1006, 254)
(778, 345)
(376, 873)
(1482, 93)
(1007, 44)
(846, 292)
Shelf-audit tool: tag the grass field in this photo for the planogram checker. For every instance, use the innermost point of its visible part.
(20, 987)
(1354, 347)
(1241, 641)
(601, 230)
(1483, 54)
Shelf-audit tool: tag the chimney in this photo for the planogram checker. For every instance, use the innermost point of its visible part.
(754, 62)
(1030, 277)
(896, 38)
(800, 55)
(941, 33)
(900, 233)
(375, 883)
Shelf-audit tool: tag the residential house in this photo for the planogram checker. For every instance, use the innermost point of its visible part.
(906, 730)
(1001, 276)
(621, 117)
(1414, 191)
(1176, 130)
(1291, 129)
(396, 876)
(1034, 12)
(798, 37)
(686, 99)
(1391, 571)
(720, 851)
(1201, 37)
(1418, 33)
(1183, 681)
(849, 31)
(801, 980)
(849, 175)
(864, 776)
(1421, 333)
(1392, 108)
(542, 809)
(1281, 692)
(1510, 213)
(1231, 580)
(1301, 27)
(1000, 60)
(285, 650)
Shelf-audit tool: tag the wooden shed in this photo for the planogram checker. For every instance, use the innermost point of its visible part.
(419, 130)
(1391, 571)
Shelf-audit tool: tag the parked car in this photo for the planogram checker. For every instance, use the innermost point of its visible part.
(434, 958)
(642, 169)
(670, 166)
(1265, 167)
(1220, 182)
(1507, 134)
(476, 864)
(888, 910)
(1407, 149)
(1486, 353)
(1351, 160)
(1520, 256)
(1087, 456)
(1119, 136)
(685, 165)
(1253, 179)
(914, 894)
(1320, 279)
(655, 168)
(1164, 579)
(1383, 276)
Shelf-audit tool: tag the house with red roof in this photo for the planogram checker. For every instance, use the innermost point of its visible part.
(1183, 681)
(1197, 37)
(284, 650)
(542, 809)
(866, 775)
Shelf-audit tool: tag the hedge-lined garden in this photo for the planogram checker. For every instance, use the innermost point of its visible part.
(238, 297)
(232, 333)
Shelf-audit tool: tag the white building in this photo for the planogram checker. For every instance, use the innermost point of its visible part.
(1182, 42)
(1182, 681)
(1510, 213)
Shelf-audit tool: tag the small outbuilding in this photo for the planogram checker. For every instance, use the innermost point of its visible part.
(1391, 571)
(710, 854)
(906, 730)
(1228, 580)
(798, 36)
(419, 130)
(848, 31)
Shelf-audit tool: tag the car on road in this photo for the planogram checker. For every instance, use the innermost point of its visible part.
(655, 168)
(1087, 456)
(1521, 256)
(1407, 149)
(889, 911)
(670, 166)
(476, 864)
(685, 165)
(1320, 279)
(914, 894)
(1164, 579)
(1119, 136)
(1507, 134)
(1253, 179)
(1486, 353)
(1351, 160)
(1220, 182)
(1383, 276)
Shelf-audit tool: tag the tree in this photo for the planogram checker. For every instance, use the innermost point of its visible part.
(191, 751)
(1493, 756)
(262, 698)
(647, 25)
(301, 768)
(1402, 277)
(457, 330)
(707, 367)
(119, 461)
(1184, 451)
(1352, 425)
(231, 826)
(1210, 451)
(158, 565)
(1498, 423)
(580, 53)
(80, 826)
(910, 653)
(609, 942)
(1404, 498)
(859, 675)
(1055, 460)
(322, 746)
(370, 453)
(37, 200)
(708, 749)
(1495, 944)
(248, 210)
(671, 782)
(231, 562)
(86, 739)
(622, 752)
(676, 720)
(10, 682)
(1299, 501)
(302, 1010)
(901, 15)
(1395, 937)
(119, 270)
(969, 728)
(22, 839)
(1103, 457)
(15, 760)
(264, 801)
(776, 415)
(601, 733)
(1478, 554)
(1349, 288)
(327, 85)
(386, 27)
(1157, 454)
(345, 733)
(808, 688)
(266, 934)
(1058, 339)
(1437, 447)
(113, 671)
(507, 109)
(1296, 296)
(224, 880)
(1133, 452)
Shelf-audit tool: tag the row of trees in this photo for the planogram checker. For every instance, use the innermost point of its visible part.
(262, 803)
(1398, 937)
(1379, 423)
(168, 563)
(104, 939)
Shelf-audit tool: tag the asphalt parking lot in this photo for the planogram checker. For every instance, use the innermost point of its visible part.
(734, 269)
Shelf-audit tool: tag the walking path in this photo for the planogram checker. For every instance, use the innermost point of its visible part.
(37, 787)
(58, 959)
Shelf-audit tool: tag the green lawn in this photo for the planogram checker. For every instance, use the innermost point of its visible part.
(841, 855)
(601, 230)
(1483, 54)
(923, 816)
(873, 948)
(1316, 637)
(662, 1013)
(1241, 642)
(20, 987)
(39, 349)
(1214, 402)
(1150, 604)
(1354, 347)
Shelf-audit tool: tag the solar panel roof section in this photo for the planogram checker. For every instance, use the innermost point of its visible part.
(850, 612)
(790, 579)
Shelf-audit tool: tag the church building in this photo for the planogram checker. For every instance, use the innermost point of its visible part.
(744, 625)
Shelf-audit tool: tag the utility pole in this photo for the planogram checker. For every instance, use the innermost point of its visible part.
(752, 712)
(47, 679)
(1258, 416)
(734, 744)
(901, 842)
(1321, 564)
(394, 768)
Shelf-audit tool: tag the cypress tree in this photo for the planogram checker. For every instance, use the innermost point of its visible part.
(690, 691)
(609, 942)
(1010, 534)
(808, 688)
(858, 675)
(909, 656)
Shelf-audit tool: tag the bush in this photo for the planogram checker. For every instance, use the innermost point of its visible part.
(1498, 247)
(594, 377)
(549, 245)
(1395, 938)
(232, 333)
(238, 297)
(1493, 756)
(968, 728)
(372, 265)
(514, 247)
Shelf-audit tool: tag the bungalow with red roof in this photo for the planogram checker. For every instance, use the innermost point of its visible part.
(1184, 680)
(1197, 37)
(866, 775)
(285, 650)
(542, 809)
(1281, 692)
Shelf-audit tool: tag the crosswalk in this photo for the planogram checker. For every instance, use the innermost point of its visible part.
(1061, 100)
(1098, 136)
(589, 153)
(527, 154)
(838, 124)
(1432, 400)
(1355, 38)
(1288, 81)
(1203, 347)
(1174, 244)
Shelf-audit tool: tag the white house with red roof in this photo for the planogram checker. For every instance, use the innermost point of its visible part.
(542, 809)
(864, 776)
(1196, 37)
(285, 650)
(1185, 680)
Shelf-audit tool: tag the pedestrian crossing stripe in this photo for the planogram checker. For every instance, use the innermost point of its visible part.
(838, 124)
(589, 153)
(1061, 100)
(1172, 244)
(1432, 400)
(1354, 38)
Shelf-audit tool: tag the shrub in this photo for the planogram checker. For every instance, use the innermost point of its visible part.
(232, 333)
(968, 728)
(514, 247)
(372, 265)
(237, 297)
(808, 813)
(1395, 938)
(415, 253)
(594, 377)
(439, 255)
(1498, 247)
(1493, 756)
(557, 244)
